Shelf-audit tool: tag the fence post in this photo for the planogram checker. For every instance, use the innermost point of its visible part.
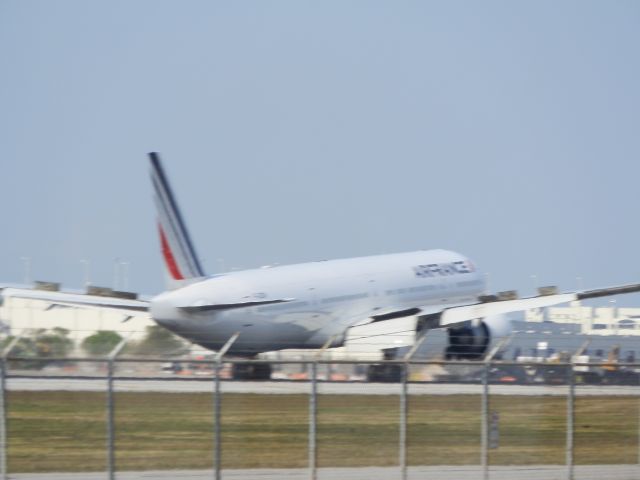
(3, 419)
(313, 423)
(110, 422)
(313, 410)
(403, 422)
(111, 428)
(3, 407)
(217, 404)
(484, 446)
(404, 405)
(570, 419)
(217, 408)
(484, 442)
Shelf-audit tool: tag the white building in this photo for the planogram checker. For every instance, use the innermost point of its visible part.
(592, 320)
(20, 316)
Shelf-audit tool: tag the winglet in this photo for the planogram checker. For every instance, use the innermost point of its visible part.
(177, 249)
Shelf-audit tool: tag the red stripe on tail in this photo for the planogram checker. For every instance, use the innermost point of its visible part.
(168, 256)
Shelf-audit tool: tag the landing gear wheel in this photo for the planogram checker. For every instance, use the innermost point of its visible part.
(387, 373)
(251, 371)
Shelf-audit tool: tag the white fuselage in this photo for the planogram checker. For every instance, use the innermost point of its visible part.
(323, 299)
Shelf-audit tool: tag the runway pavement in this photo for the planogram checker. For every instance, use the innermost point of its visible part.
(175, 385)
(534, 472)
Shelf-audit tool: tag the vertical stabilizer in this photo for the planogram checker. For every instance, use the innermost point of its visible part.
(177, 249)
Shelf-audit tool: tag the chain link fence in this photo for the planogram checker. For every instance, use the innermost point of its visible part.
(317, 419)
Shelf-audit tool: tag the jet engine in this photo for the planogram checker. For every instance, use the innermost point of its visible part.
(473, 339)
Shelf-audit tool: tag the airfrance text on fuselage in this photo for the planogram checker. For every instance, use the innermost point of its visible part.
(443, 269)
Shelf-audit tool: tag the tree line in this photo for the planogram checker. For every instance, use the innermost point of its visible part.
(56, 343)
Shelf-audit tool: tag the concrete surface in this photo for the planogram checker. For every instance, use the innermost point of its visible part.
(177, 385)
(534, 472)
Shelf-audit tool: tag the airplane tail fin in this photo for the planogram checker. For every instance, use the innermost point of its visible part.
(177, 249)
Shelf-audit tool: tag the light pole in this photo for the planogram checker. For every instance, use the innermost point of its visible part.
(578, 304)
(27, 269)
(125, 275)
(614, 319)
(116, 272)
(87, 272)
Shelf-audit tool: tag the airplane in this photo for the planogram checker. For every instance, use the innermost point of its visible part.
(313, 305)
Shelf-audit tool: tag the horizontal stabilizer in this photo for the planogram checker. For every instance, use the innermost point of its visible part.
(79, 300)
(229, 306)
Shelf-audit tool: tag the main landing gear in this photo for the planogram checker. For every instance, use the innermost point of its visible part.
(245, 370)
(386, 372)
(251, 371)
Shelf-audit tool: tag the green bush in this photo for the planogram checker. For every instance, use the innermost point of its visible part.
(101, 342)
(158, 342)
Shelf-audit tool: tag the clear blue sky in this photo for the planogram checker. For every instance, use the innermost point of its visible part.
(294, 131)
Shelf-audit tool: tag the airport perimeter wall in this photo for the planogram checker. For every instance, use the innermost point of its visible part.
(481, 420)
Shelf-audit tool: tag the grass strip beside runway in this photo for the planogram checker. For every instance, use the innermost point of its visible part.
(66, 431)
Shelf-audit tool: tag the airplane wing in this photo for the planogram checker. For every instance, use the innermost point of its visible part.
(129, 307)
(492, 305)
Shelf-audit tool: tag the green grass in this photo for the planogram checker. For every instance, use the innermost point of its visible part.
(66, 431)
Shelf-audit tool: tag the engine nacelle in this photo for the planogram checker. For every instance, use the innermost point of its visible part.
(474, 339)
